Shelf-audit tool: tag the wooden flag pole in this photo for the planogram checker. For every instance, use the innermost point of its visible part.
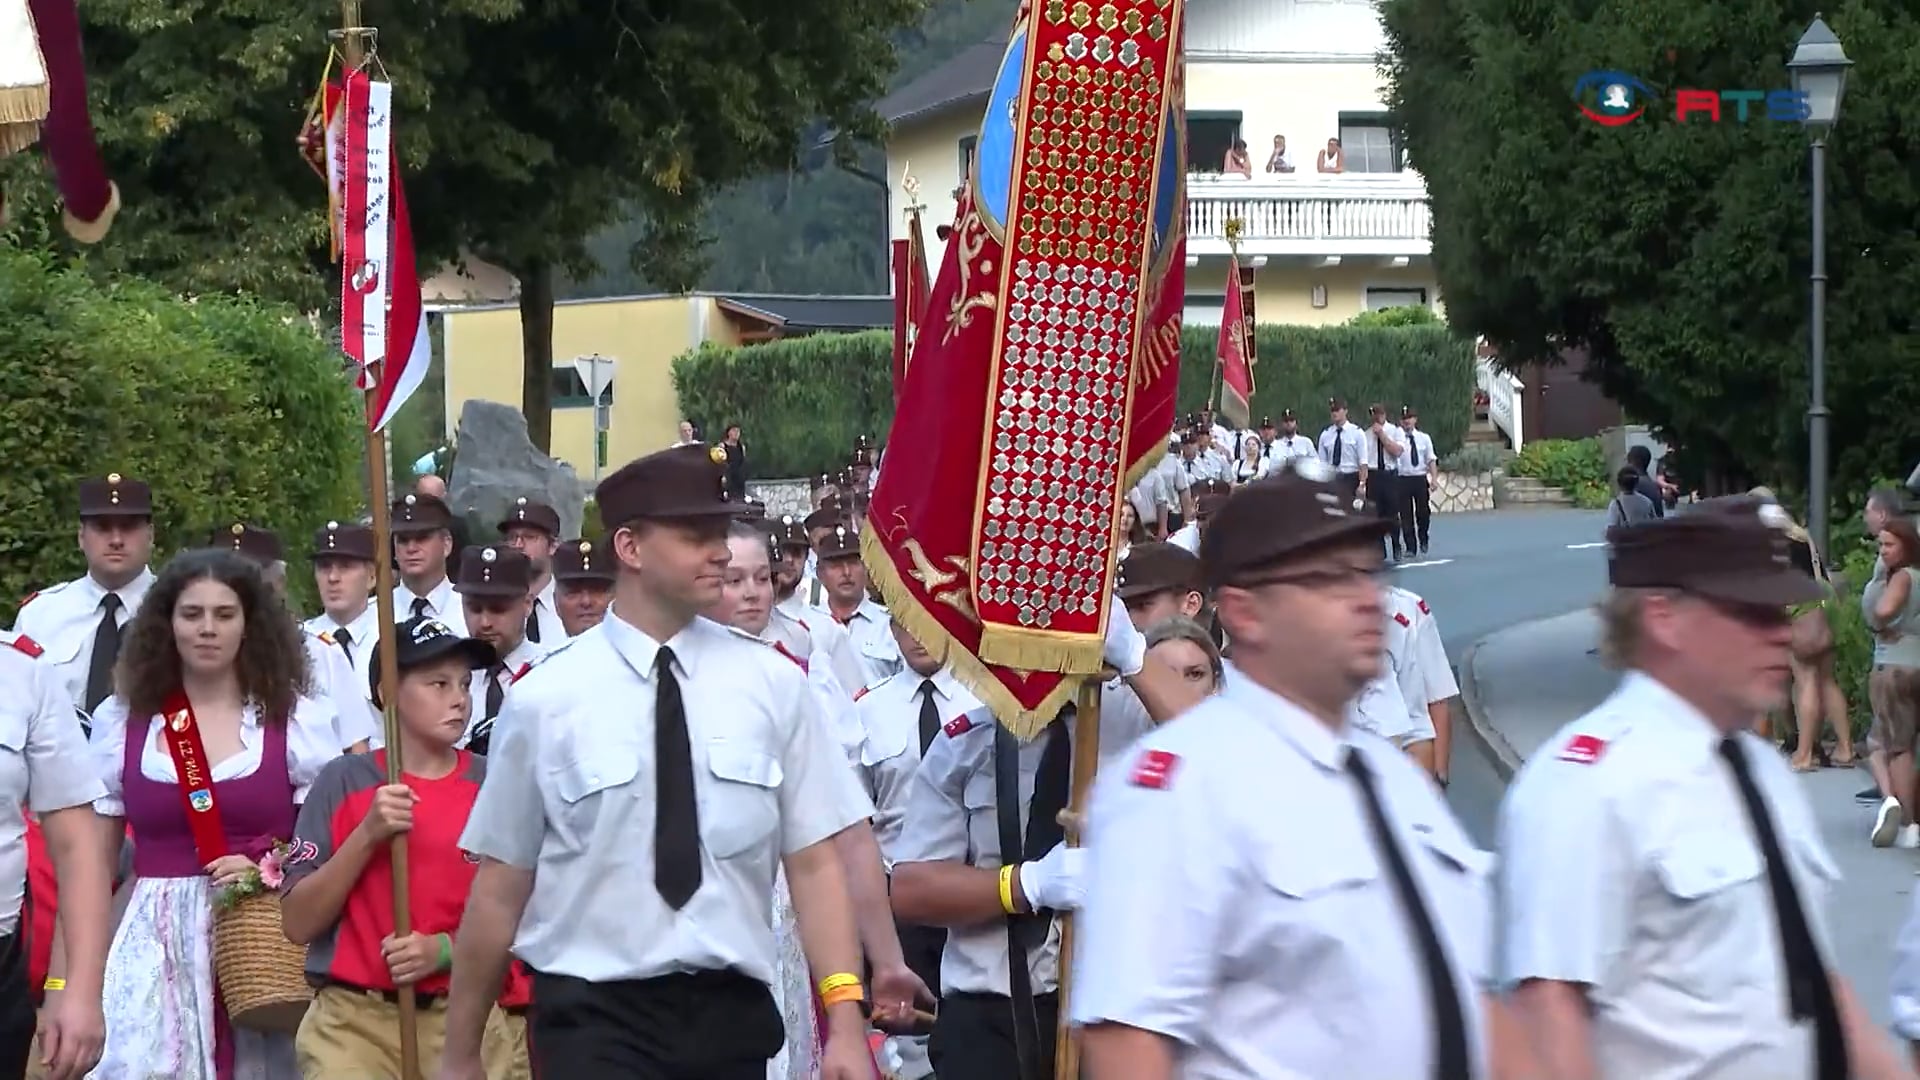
(1086, 762)
(353, 50)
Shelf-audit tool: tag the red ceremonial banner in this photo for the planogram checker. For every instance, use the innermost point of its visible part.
(1047, 359)
(1236, 352)
(910, 289)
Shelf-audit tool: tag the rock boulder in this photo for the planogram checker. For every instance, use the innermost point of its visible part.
(495, 463)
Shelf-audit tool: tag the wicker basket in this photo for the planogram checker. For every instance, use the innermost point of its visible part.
(262, 975)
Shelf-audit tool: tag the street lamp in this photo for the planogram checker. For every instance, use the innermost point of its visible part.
(1819, 71)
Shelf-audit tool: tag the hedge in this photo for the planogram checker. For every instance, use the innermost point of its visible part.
(803, 401)
(229, 409)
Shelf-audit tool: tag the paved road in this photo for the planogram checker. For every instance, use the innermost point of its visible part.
(1487, 572)
(1532, 679)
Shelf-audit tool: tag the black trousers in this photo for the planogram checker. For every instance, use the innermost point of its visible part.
(922, 946)
(1384, 493)
(16, 1006)
(1348, 484)
(973, 1037)
(705, 1025)
(1415, 511)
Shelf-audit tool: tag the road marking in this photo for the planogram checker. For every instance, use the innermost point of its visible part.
(1583, 547)
(1428, 562)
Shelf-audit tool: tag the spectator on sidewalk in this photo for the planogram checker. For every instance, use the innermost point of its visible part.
(1640, 459)
(1883, 505)
(1817, 696)
(1892, 609)
(1629, 506)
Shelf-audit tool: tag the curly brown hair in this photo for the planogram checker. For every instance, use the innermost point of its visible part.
(272, 663)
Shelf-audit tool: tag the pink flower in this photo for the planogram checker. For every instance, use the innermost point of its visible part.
(271, 872)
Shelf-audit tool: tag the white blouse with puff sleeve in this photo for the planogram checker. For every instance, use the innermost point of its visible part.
(311, 743)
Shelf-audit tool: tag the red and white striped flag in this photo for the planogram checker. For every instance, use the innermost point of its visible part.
(383, 326)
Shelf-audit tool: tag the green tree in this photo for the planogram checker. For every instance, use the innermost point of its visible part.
(525, 128)
(1676, 252)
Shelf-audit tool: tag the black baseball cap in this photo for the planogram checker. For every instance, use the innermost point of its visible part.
(423, 639)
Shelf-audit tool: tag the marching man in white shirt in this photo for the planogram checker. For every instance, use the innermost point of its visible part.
(1415, 468)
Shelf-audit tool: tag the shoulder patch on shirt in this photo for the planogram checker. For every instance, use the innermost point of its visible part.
(325, 638)
(26, 645)
(29, 598)
(524, 668)
(860, 693)
(1583, 749)
(1424, 609)
(1155, 770)
(1401, 618)
(958, 726)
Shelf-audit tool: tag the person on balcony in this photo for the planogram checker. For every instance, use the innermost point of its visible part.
(1239, 162)
(1332, 160)
(1280, 161)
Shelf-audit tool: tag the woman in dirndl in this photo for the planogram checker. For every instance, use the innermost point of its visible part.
(211, 668)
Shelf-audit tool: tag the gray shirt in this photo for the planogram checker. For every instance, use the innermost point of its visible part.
(1630, 508)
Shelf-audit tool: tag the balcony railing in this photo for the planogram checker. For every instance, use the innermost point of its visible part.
(1311, 214)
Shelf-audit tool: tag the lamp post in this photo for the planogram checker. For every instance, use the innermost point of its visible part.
(1819, 70)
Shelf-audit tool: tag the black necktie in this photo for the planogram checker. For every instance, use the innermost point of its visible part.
(496, 692)
(1050, 788)
(533, 623)
(929, 715)
(1809, 993)
(1450, 1060)
(344, 638)
(106, 649)
(1414, 442)
(1380, 453)
(1336, 446)
(419, 607)
(676, 818)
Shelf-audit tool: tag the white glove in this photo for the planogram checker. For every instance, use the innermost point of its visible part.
(1053, 881)
(1126, 647)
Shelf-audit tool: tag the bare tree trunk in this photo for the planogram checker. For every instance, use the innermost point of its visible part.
(536, 351)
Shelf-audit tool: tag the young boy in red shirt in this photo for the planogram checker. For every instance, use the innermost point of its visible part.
(337, 896)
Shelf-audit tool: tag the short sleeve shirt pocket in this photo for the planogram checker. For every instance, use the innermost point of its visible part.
(589, 787)
(1713, 918)
(741, 807)
(15, 715)
(983, 820)
(1461, 895)
(1316, 911)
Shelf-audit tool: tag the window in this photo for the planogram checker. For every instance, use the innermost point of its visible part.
(569, 392)
(1204, 309)
(966, 156)
(1209, 136)
(1368, 143)
(1380, 299)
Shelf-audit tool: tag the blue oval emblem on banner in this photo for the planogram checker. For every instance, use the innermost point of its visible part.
(202, 801)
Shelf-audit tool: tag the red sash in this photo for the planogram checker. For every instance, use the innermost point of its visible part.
(195, 774)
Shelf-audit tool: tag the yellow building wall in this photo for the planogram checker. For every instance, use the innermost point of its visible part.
(641, 334)
(1301, 101)
(1283, 293)
(930, 152)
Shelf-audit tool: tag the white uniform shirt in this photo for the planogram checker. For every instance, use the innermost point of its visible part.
(1419, 660)
(516, 663)
(336, 681)
(1175, 482)
(311, 743)
(1285, 448)
(1413, 444)
(569, 795)
(1238, 905)
(952, 816)
(870, 630)
(1355, 451)
(362, 635)
(805, 633)
(833, 699)
(1629, 865)
(889, 713)
(43, 761)
(547, 616)
(1186, 537)
(442, 603)
(62, 619)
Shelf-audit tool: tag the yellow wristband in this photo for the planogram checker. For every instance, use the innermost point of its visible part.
(838, 981)
(1006, 891)
(841, 995)
(54, 984)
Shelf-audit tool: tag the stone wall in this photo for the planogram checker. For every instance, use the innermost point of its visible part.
(1455, 493)
(782, 497)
